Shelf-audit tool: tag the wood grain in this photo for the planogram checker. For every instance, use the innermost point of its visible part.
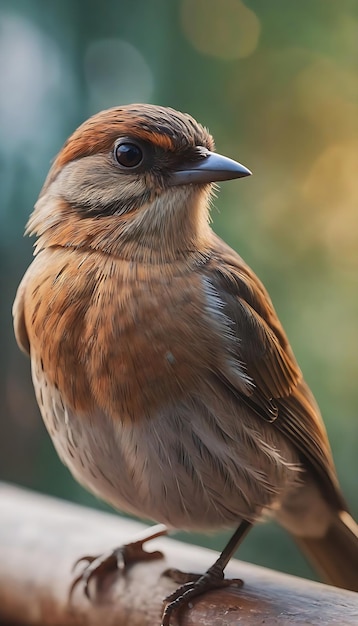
(41, 538)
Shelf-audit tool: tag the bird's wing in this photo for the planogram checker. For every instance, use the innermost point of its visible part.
(279, 393)
(18, 311)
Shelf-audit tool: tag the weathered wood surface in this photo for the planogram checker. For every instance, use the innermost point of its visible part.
(41, 538)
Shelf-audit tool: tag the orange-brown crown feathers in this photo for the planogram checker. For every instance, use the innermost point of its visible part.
(162, 126)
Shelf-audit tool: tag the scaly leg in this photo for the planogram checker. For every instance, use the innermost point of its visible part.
(212, 579)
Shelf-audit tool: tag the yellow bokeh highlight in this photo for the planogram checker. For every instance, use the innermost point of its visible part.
(327, 95)
(331, 188)
(225, 29)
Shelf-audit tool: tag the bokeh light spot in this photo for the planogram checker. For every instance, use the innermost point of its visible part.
(332, 188)
(226, 29)
(31, 69)
(37, 94)
(327, 95)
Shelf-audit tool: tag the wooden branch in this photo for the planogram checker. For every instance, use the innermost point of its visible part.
(41, 538)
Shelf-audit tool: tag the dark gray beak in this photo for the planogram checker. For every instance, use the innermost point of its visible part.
(210, 169)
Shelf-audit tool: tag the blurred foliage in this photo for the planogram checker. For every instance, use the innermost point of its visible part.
(277, 84)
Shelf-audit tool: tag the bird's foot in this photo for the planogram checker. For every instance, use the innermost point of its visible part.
(98, 567)
(193, 585)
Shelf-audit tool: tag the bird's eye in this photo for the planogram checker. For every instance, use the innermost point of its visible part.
(128, 154)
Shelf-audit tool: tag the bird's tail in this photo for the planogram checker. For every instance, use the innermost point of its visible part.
(335, 556)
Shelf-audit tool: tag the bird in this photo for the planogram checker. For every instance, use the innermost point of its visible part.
(162, 372)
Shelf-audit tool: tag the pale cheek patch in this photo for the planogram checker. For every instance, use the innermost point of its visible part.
(95, 185)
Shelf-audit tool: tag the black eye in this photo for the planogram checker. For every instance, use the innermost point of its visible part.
(128, 154)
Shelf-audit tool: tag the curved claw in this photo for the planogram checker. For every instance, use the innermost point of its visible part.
(97, 567)
(74, 585)
(120, 559)
(87, 558)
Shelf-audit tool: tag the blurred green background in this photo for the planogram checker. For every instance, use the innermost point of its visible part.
(277, 84)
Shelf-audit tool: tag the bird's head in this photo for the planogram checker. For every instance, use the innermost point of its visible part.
(132, 181)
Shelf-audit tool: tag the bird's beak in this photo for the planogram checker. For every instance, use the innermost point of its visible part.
(210, 169)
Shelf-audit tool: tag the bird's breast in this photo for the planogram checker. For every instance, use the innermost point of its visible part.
(125, 338)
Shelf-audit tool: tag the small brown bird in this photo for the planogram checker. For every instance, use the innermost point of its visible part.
(161, 370)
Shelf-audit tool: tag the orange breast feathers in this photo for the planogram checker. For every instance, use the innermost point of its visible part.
(124, 337)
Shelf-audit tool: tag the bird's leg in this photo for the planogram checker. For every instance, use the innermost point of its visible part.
(119, 559)
(212, 579)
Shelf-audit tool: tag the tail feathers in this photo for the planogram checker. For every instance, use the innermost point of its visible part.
(335, 556)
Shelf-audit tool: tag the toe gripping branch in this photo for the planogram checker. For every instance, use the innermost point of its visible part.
(117, 560)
